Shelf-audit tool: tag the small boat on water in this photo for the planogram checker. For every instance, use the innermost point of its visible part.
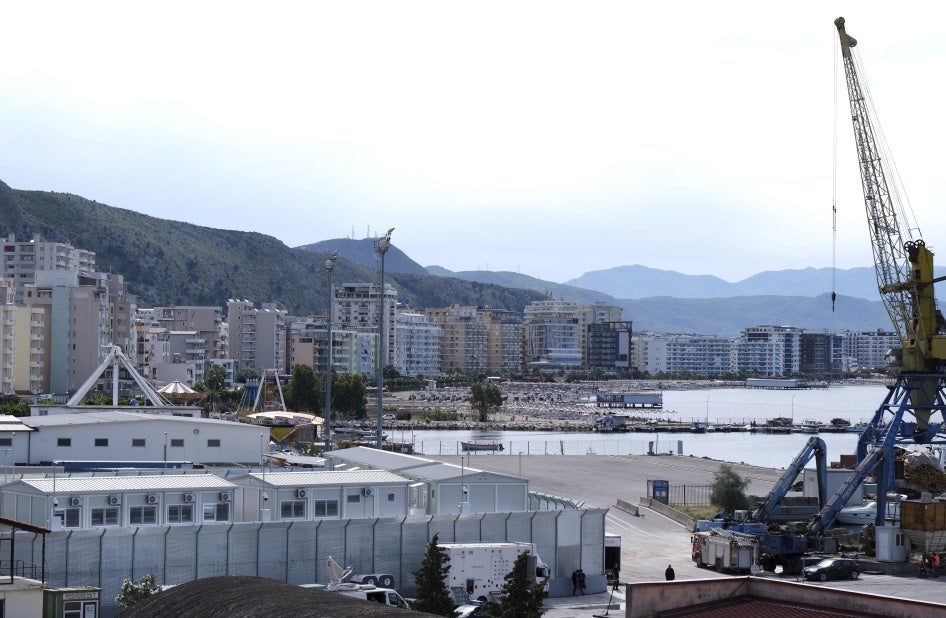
(811, 426)
(359, 433)
(481, 446)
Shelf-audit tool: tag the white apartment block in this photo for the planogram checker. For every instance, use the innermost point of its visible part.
(416, 345)
(8, 331)
(22, 260)
(204, 322)
(554, 333)
(868, 349)
(768, 351)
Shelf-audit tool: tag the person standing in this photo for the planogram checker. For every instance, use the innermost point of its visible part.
(575, 582)
(581, 581)
(669, 574)
(616, 574)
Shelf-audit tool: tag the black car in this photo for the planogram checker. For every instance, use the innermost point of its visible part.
(833, 568)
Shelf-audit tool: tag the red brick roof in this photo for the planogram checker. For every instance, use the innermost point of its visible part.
(755, 607)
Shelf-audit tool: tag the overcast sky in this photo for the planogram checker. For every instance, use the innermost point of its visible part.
(546, 138)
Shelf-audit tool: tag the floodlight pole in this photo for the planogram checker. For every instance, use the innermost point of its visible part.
(327, 428)
(381, 247)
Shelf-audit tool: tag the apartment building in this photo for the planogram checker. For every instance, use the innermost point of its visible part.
(608, 345)
(22, 260)
(256, 335)
(868, 349)
(204, 323)
(8, 332)
(768, 351)
(416, 344)
(822, 354)
(357, 306)
(463, 340)
(554, 333)
(504, 340)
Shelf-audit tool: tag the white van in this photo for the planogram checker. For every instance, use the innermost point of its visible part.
(385, 596)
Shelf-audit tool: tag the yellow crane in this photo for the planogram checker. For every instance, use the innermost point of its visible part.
(913, 410)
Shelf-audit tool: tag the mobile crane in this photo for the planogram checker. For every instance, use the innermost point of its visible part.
(913, 410)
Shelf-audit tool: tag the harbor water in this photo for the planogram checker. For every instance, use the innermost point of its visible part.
(732, 406)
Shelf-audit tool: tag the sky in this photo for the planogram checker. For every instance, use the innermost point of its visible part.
(547, 138)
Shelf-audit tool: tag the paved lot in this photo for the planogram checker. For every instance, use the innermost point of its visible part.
(650, 541)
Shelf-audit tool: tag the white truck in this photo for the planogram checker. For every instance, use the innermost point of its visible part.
(478, 570)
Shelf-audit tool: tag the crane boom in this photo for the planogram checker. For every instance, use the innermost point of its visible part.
(904, 267)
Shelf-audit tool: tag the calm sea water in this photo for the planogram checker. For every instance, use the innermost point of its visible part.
(737, 406)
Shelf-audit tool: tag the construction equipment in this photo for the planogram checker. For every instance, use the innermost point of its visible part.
(913, 411)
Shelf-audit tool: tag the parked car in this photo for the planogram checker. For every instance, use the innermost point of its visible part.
(833, 568)
(388, 417)
(472, 610)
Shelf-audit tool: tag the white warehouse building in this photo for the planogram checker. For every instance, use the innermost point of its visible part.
(139, 437)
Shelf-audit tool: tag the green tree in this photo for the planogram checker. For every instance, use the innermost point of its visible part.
(305, 392)
(133, 593)
(348, 395)
(521, 596)
(14, 406)
(485, 398)
(432, 594)
(729, 489)
(212, 386)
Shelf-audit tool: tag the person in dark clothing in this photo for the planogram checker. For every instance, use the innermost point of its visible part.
(669, 574)
(575, 582)
(616, 574)
(581, 581)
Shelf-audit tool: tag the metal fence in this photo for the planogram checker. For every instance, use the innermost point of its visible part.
(296, 552)
(690, 495)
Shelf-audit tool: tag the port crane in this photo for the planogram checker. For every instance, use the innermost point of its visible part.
(913, 410)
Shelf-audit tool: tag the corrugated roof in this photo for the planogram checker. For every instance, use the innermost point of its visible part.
(329, 477)
(752, 607)
(106, 484)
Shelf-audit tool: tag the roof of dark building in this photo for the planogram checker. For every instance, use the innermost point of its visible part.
(250, 597)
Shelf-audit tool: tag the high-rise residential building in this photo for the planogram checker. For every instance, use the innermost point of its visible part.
(822, 354)
(769, 351)
(356, 307)
(504, 340)
(22, 260)
(868, 349)
(608, 345)
(554, 333)
(463, 339)
(256, 336)
(416, 345)
(8, 332)
(702, 355)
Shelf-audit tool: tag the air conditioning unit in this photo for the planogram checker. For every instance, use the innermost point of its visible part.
(151, 499)
(300, 493)
(225, 496)
(188, 497)
(114, 500)
(75, 501)
(366, 491)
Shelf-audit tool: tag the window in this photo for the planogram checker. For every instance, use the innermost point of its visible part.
(353, 499)
(326, 508)
(213, 443)
(63, 441)
(391, 497)
(292, 509)
(142, 515)
(69, 518)
(181, 514)
(217, 512)
(101, 442)
(6, 442)
(177, 442)
(137, 441)
(104, 516)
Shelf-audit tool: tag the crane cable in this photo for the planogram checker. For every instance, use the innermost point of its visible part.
(834, 187)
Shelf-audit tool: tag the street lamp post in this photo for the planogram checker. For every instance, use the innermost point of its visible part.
(329, 267)
(793, 409)
(520, 464)
(381, 247)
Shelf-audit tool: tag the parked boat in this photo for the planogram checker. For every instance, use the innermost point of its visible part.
(866, 513)
(481, 446)
(811, 426)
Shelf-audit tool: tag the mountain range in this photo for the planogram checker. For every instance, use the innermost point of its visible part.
(175, 263)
